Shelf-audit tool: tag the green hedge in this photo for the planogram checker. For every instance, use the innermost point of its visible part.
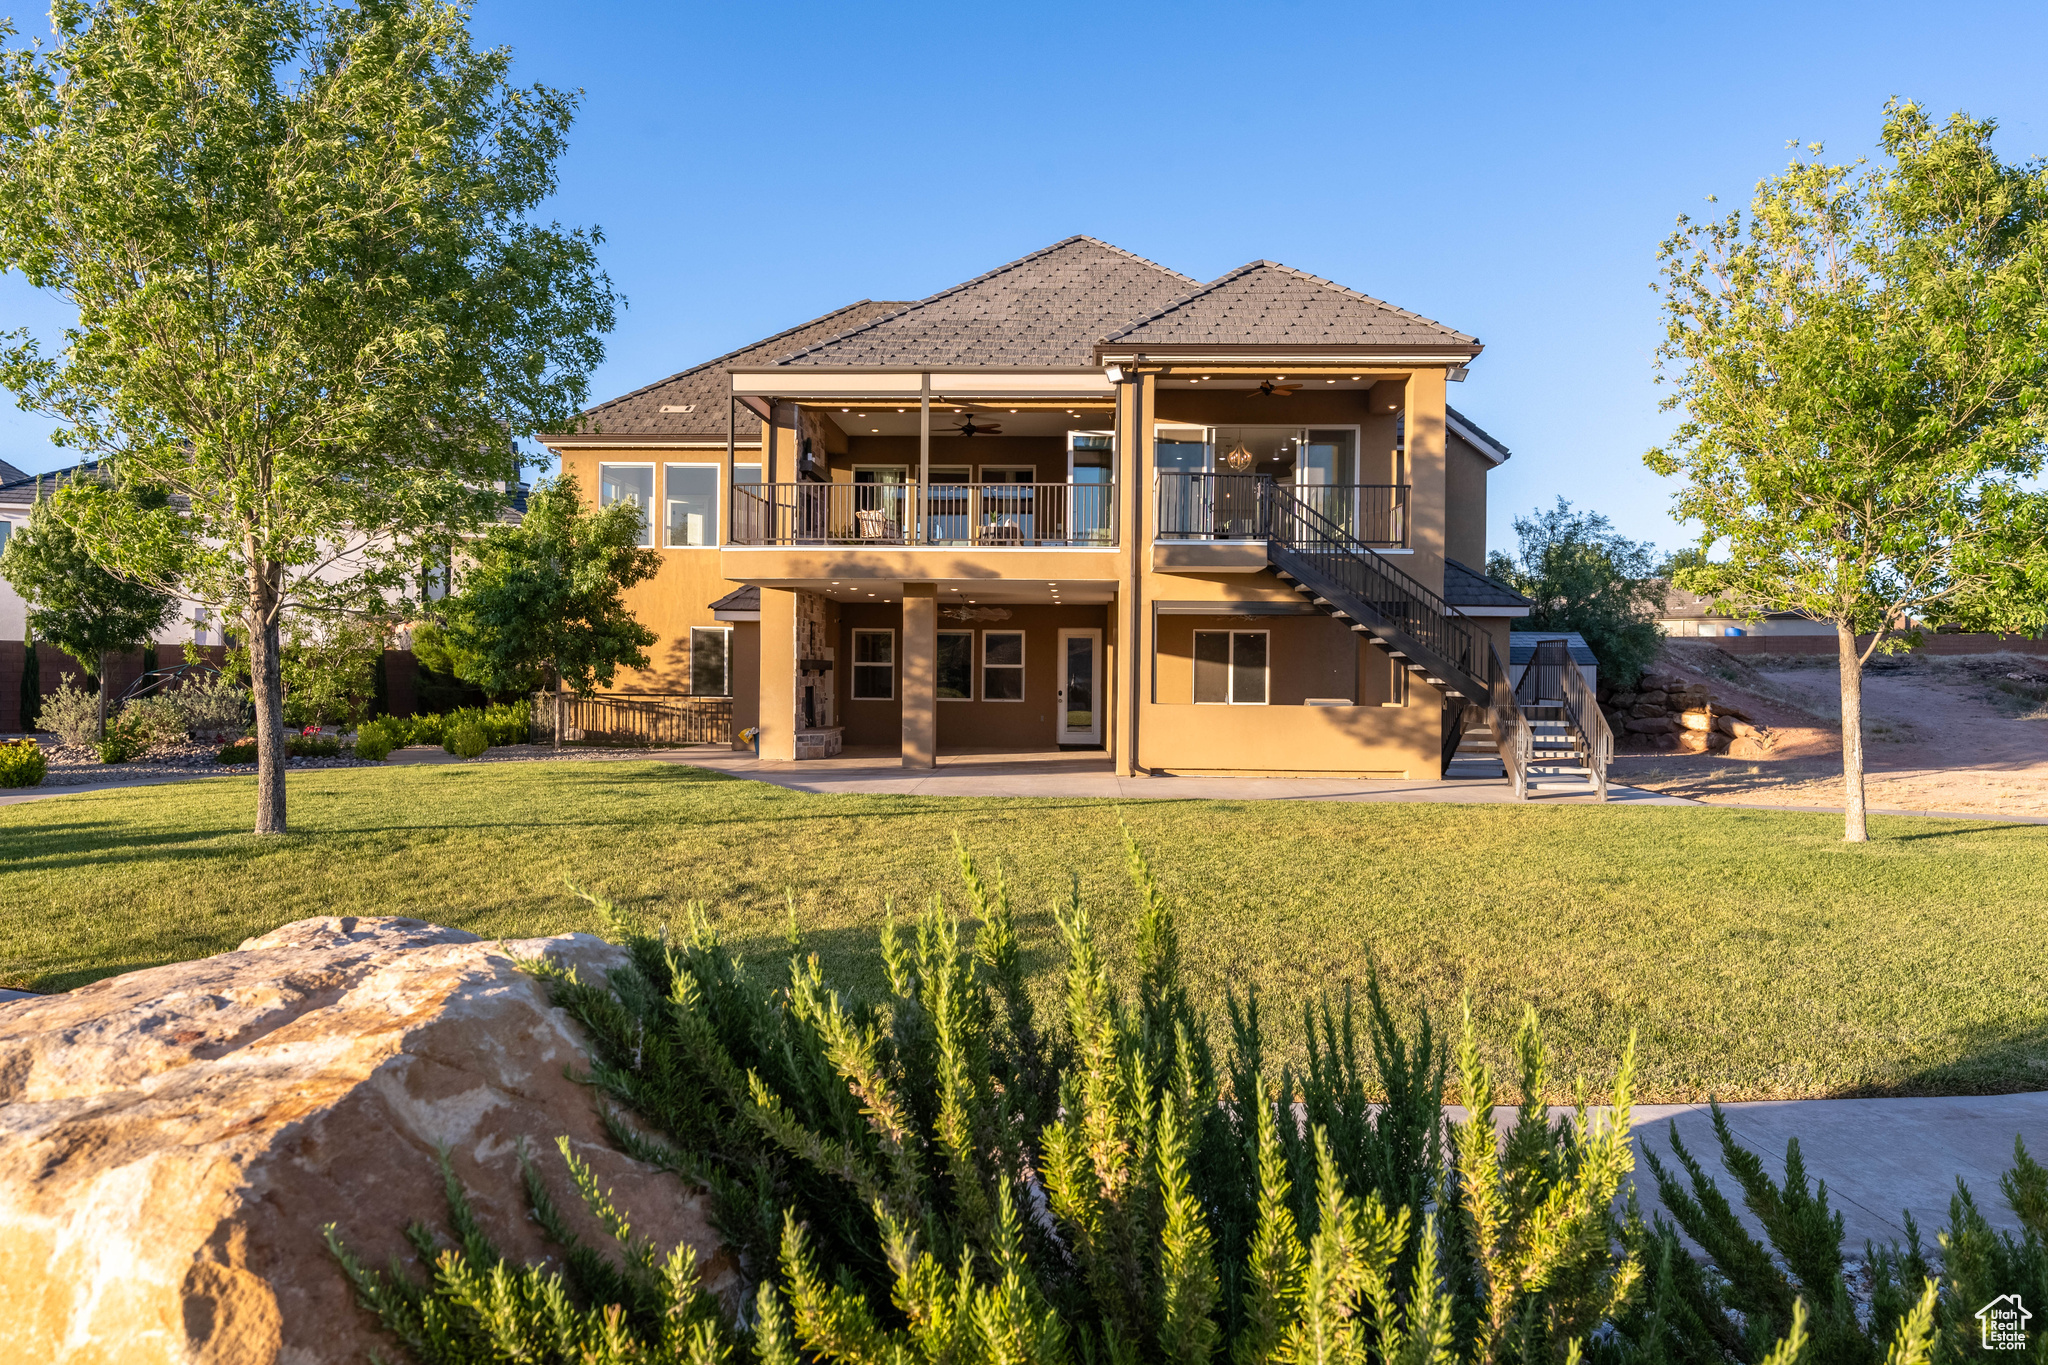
(22, 763)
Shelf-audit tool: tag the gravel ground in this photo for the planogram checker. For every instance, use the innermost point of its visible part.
(76, 767)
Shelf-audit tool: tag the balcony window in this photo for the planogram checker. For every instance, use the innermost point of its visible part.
(956, 665)
(632, 484)
(1230, 667)
(691, 497)
(1002, 665)
(1181, 450)
(874, 665)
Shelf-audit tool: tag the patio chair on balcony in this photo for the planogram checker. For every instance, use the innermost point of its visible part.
(878, 526)
(1003, 531)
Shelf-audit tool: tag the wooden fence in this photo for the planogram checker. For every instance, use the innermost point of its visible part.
(653, 719)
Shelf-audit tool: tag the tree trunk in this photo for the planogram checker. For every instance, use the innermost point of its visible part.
(558, 707)
(1855, 829)
(266, 677)
(103, 694)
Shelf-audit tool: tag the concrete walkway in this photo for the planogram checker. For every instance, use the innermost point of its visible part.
(1880, 1158)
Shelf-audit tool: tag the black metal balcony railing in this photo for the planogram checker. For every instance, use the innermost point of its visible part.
(880, 514)
(1241, 507)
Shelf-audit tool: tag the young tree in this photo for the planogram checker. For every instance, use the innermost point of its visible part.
(542, 603)
(312, 301)
(31, 682)
(75, 604)
(1585, 576)
(1862, 368)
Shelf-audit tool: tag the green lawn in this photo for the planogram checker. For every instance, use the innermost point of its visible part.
(1756, 955)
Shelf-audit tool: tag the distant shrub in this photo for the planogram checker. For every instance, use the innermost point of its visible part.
(22, 763)
(214, 707)
(377, 738)
(424, 729)
(74, 714)
(156, 722)
(241, 752)
(467, 740)
(313, 746)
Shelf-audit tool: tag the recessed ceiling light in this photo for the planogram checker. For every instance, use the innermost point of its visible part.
(1356, 377)
(876, 430)
(1329, 381)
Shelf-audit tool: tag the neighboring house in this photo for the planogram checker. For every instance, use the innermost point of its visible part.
(193, 621)
(1081, 502)
(1686, 615)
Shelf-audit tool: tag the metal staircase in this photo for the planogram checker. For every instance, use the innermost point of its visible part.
(1537, 746)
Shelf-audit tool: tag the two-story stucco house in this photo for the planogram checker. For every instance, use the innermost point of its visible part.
(1081, 501)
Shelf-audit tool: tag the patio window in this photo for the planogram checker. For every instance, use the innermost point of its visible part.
(1002, 665)
(874, 665)
(629, 483)
(956, 665)
(1230, 668)
(710, 661)
(691, 496)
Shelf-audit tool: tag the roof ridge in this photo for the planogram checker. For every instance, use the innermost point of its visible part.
(982, 278)
(715, 360)
(1296, 271)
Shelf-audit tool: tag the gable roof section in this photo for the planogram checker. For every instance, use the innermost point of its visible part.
(1265, 303)
(704, 388)
(1046, 309)
(1475, 436)
(1464, 587)
(1522, 646)
(9, 474)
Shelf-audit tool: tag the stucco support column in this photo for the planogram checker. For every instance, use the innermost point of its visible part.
(1133, 641)
(778, 675)
(1424, 413)
(920, 675)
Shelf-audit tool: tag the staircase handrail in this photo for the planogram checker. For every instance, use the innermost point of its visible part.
(1510, 728)
(1596, 739)
(1288, 516)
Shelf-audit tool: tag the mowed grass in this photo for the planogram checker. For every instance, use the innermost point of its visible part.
(1752, 952)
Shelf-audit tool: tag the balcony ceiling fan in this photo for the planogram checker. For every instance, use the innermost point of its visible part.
(1271, 388)
(970, 427)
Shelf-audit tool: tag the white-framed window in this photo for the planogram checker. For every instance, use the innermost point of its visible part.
(1230, 668)
(711, 661)
(629, 483)
(6, 530)
(690, 499)
(1002, 665)
(956, 665)
(874, 665)
(746, 473)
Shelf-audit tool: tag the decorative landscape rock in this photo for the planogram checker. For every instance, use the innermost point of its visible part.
(1671, 714)
(172, 1140)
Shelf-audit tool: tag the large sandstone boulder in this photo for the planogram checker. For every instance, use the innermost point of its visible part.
(172, 1140)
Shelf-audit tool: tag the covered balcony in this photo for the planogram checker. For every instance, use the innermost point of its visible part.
(1224, 483)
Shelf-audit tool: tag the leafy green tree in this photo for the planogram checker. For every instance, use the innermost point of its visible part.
(543, 603)
(1585, 576)
(73, 602)
(313, 303)
(330, 668)
(1861, 363)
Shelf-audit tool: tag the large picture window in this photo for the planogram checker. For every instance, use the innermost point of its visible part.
(1230, 668)
(629, 483)
(874, 665)
(710, 661)
(690, 495)
(956, 665)
(1002, 665)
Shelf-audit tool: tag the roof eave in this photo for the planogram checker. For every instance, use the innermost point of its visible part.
(1453, 353)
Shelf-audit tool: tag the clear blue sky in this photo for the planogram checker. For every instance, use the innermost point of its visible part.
(1507, 169)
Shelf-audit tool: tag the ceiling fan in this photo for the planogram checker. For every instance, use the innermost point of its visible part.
(972, 428)
(1269, 388)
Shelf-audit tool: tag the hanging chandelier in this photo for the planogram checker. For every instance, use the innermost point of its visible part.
(1239, 457)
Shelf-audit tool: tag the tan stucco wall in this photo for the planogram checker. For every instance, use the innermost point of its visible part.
(1465, 471)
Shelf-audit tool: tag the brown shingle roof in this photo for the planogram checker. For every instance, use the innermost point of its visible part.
(704, 388)
(1268, 304)
(1048, 308)
(8, 473)
(1465, 587)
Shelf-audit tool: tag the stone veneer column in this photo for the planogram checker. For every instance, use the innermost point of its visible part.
(778, 675)
(919, 673)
